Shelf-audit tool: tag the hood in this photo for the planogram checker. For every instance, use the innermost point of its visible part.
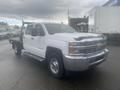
(74, 36)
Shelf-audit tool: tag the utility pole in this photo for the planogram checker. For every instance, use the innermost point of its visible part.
(22, 27)
(68, 15)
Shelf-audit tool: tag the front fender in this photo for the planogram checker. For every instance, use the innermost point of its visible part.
(61, 45)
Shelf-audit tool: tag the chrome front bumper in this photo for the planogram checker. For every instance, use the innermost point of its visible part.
(81, 63)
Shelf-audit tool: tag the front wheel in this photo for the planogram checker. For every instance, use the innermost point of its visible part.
(56, 66)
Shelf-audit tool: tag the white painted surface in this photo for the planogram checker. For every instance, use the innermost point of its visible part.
(106, 20)
(39, 44)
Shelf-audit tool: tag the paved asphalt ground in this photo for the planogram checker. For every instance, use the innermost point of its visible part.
(29, 74)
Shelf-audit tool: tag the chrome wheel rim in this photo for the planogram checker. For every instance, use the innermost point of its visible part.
(54, 65)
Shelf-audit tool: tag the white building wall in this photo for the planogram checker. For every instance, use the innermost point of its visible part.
(106, 20)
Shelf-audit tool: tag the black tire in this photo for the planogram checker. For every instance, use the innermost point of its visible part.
(61, 72)
(17, 50)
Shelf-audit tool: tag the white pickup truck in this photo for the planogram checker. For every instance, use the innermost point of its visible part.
(61, 47)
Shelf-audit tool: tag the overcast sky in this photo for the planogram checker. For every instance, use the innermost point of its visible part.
(47, 8)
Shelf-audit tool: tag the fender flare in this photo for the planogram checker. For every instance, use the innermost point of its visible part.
(53, 49)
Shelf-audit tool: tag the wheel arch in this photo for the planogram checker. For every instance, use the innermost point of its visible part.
(53, 49)
(18, 44)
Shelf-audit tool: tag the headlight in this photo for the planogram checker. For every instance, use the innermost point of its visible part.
(72, 43)
(73, 50)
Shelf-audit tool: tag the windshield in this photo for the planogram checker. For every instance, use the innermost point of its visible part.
(59, 28)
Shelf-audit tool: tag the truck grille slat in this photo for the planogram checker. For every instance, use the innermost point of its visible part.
(94, 47)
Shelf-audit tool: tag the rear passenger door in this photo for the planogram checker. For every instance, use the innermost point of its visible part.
(27, 38)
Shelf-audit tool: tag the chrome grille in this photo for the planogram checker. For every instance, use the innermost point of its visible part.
(91, 47)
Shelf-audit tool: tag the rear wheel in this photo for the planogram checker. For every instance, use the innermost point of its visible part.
(55, 65)
(17, 50)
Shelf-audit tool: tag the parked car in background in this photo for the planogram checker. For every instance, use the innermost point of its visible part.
(14, 33)
(4, 34)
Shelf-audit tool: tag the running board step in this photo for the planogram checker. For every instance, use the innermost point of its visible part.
(34, 56)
